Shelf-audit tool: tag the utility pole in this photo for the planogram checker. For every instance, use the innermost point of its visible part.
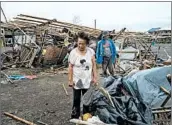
(95, 23)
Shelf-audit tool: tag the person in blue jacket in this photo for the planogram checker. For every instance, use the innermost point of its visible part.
(106, 53)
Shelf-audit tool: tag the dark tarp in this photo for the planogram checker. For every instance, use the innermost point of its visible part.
(126, 110)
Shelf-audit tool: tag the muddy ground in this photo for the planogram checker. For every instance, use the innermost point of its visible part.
(42, 99)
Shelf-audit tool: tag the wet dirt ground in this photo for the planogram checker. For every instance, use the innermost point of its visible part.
(42, 99)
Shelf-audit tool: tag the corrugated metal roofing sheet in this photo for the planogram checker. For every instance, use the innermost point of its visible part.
(153, 29)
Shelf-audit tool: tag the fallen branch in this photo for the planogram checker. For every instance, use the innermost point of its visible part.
(19, 119)
(65, 90)
(60, 67)
(42, 123)
(8, 79)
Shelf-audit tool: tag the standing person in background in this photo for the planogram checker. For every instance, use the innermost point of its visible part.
(106, 53)
(82, 72)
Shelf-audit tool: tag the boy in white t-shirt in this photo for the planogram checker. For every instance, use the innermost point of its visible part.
(82, 72)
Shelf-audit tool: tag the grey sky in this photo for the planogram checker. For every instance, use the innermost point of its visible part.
(135, 16)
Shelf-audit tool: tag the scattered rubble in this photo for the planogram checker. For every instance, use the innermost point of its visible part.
(31, 41)
(35, 42)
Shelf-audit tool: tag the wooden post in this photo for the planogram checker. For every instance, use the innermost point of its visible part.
(19, 119)
(140, 57)
(13, 39)
(95, 24)
(22, 39)
(25, 39)
(65, 89)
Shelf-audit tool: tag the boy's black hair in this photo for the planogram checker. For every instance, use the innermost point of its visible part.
(84, 36)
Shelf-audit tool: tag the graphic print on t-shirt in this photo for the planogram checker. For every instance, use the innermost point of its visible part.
(106, 44)
(84, 64)
(80, 84)
(107, 51)
(82, 68)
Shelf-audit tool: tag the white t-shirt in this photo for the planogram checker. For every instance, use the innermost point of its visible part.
(82, 68)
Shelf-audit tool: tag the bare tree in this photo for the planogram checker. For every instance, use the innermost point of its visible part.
(76, 20)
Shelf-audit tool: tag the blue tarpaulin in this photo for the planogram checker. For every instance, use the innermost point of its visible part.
(17, 77)
(145, 85)
(153, 30)
(133, 97)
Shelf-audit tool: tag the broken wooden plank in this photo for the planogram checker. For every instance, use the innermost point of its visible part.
(165, 91)
(42, 123)
(127, 51)
(60, 53)
(60, 22)
(24, 51)
(61, 67)
(147, 51)
(26, 56)
(166, 100)
(18, 119)
(65, 90)
(140, 58)
(8, 79)
(33, 57)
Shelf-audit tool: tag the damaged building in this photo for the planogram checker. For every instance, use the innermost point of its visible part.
(138, 94)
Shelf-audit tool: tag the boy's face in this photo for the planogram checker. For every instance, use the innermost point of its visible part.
(106, 36)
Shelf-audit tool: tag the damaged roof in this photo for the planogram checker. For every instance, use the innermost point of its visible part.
(27, 21)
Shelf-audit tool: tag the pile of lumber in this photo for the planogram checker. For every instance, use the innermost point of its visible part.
(32, 23)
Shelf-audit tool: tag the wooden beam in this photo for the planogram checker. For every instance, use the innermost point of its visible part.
(26, 22)
(40, 22)
(31, 20)
(23, 15)
(19, 119)
(56, 23)
(4, 14)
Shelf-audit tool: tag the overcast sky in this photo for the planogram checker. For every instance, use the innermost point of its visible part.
(135, 16)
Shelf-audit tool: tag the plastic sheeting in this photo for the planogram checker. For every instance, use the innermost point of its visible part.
(145, 85)
(127, 109)
(20, 77)
(133, 97)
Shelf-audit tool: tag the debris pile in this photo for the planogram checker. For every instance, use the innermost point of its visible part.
(38, 40)
(128, 100)
(32, 41)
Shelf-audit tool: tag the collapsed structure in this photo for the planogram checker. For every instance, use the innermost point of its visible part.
(30, 41)
(33, 41)
(33, 34)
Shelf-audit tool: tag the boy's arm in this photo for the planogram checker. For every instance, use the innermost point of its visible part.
(114, 48)
(97, 50)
